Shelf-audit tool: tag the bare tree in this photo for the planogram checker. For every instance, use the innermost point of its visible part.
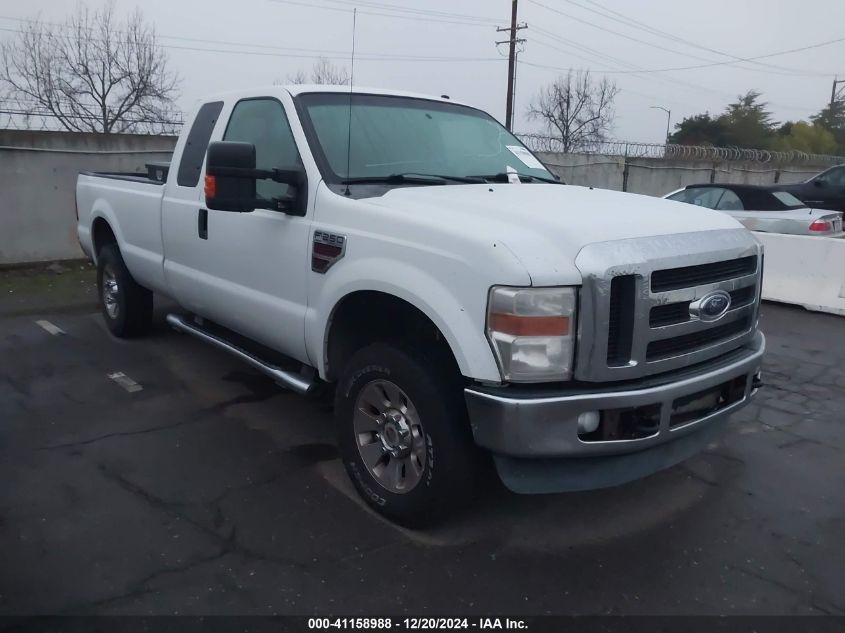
(323, 72)
(299, 77)
(92, 73)
(576, 111)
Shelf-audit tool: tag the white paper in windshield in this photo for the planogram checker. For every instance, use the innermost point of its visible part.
(525, 156)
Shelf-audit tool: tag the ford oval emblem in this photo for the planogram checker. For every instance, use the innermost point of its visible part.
(711, 307)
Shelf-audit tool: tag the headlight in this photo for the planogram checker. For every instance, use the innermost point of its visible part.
(532, 331)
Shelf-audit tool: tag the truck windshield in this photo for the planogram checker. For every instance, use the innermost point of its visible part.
(392, 136)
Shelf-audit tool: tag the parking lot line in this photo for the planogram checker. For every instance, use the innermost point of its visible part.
(125, 381)
(52, 329)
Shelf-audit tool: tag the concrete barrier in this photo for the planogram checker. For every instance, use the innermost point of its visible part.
(659, 176)
(38, 184)
(805, 270)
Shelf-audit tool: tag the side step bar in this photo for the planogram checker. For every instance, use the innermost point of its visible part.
(289, 379)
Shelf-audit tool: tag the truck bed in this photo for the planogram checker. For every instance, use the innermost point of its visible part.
(156, 174)
(130, 204)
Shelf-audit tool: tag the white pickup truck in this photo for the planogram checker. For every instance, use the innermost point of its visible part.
(464, 303)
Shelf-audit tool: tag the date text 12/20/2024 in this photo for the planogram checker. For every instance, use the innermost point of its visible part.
(416, 623)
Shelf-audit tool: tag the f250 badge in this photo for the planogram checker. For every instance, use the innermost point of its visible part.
(327, 249)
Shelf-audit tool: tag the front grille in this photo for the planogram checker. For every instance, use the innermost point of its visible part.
(669, 314)
(687, 276)
(620, 322)
(686, 343)
(636, 298)
(698, 405)
(673, 313)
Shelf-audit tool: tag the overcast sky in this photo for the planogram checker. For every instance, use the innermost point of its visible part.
(447, 47)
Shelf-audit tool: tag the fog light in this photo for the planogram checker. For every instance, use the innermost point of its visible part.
(588, 422)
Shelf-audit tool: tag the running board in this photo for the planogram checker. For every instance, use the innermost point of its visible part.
(289, 379)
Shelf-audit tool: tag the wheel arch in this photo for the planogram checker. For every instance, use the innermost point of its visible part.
(101, 235)
(365, 316)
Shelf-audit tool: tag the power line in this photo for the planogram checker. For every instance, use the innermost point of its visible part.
(722, 63)
(648, 28)
(709, 62)
(537, 39)
(617, 33)
(400, 16)
(182, 38)
(412, 10)
(634, 70)
(678, 81)
(316, 54)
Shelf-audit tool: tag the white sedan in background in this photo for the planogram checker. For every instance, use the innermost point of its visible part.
(762, 208)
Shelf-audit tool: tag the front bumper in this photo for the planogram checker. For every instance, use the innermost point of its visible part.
(537, 432)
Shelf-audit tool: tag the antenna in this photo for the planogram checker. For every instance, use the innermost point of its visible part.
(349, 130)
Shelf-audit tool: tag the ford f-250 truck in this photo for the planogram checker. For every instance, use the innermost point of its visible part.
(463, 302)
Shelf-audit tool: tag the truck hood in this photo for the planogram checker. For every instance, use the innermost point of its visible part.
(546, 225)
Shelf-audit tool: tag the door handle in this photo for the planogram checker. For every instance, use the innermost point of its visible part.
(202, 224)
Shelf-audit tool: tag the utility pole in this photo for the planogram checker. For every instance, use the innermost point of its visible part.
(512, 42)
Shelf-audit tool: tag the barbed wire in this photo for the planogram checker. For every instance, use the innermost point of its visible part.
(544, 143)
(38, 119)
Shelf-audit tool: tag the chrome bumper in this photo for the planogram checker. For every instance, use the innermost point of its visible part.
(547, 426)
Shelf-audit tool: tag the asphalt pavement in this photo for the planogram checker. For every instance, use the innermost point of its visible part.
(160, 476)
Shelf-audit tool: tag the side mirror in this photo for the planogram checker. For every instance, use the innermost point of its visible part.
(231, 176)
(819, 183)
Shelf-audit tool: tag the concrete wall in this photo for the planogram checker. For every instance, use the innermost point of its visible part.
(657, 176)
(38, 180)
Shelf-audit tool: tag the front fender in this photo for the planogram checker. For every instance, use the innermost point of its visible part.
(459, 313)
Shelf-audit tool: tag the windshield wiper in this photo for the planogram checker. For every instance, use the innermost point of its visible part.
(504, 177)
(412, 177)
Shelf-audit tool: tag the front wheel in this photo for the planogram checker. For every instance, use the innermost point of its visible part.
(127, 307)
(403, 434)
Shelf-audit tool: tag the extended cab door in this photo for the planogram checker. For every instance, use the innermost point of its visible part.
(245, 271)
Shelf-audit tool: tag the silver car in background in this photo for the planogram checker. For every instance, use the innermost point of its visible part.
(762, 208)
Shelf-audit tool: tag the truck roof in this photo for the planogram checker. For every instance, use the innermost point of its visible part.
(297, 89)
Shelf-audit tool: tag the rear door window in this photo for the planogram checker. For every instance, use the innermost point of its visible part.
(193, 153)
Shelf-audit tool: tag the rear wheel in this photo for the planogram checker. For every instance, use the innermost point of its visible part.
(403, 434)
(126, 306)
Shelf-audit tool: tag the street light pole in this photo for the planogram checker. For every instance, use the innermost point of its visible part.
(668, 119)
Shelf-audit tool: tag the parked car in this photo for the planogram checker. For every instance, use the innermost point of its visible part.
(761, 208)
(824, 191)
(459, 300)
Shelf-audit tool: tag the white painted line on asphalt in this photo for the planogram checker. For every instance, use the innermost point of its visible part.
(125, 381)
(52, 329)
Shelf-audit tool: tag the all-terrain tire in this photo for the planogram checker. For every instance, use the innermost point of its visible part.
(442, 472)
